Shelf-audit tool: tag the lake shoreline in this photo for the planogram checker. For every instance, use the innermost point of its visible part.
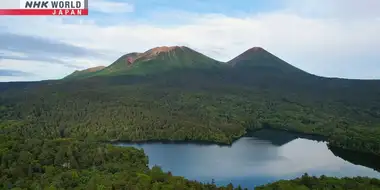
(166, 141)
(248, 133)
(261, 151)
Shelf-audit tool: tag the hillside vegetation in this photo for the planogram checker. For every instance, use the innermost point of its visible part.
(71, 164)
(307, 182)
(175, 93)
(180, 94)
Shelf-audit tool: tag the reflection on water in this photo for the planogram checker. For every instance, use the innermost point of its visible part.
(363, 159)
(264, 157)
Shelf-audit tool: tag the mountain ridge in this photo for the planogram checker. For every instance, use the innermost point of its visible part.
(79, 73)
(164, 58)
(156, 59)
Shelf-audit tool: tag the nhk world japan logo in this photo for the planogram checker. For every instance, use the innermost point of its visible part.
(47, 7)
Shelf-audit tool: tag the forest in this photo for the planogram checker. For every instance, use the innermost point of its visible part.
(55, 134)
(66, 163)
(307, 182)
(128, 108)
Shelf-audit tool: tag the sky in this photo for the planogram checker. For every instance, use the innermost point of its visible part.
(332, 38)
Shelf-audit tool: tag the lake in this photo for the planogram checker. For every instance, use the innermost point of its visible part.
(258, 158)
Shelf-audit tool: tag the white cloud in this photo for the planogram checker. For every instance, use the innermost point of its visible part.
(110, 6)
(38, 69)
(349, 9)
(12, 53)
(328, 46)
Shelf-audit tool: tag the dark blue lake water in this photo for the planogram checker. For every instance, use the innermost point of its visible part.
(263, 157)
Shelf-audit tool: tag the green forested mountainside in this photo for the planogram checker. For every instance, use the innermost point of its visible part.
(217, 104)
(213, 106)
(198, 98)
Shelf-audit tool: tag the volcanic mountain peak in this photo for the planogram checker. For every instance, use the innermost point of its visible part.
(164, 58)
(156, 51)
(255, 53)
(259, 59)
(256, 49)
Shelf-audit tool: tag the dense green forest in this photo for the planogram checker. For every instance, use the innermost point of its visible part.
(65, 163)
(71, 164)
(205, 108)
(310, 182)
(43, 125)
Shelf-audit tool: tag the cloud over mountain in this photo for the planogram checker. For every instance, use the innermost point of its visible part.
(322, 37)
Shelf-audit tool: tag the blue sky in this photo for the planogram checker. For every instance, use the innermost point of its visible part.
(226, 7)
(337, 38)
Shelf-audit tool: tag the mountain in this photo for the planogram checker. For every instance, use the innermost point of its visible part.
(259, 59)
(158, 59)
(84, 73)
(176, 93)
(252, 63)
